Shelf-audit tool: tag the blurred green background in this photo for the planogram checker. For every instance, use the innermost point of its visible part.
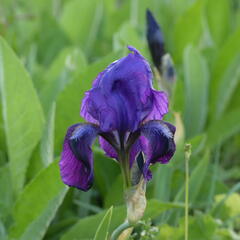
(51, 51)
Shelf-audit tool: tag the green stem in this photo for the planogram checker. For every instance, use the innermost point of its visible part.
(124, 163)
(187, 157)
(119, 230)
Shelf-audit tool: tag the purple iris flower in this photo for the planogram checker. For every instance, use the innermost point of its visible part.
(124, 110)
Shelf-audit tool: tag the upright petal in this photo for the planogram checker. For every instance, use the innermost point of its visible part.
(123, 93)
(76, 164)
(160, 142)
(159, 105)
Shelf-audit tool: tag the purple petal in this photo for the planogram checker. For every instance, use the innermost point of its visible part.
(123, 93)
(134, 151)
(160, 106)
(112, 153)
(76, 164)
(160, 145)
(108, 148)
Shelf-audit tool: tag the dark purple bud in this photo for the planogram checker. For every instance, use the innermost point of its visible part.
(155, 39)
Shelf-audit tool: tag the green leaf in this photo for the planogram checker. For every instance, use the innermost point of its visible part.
(22, 113)
(229, 199)
(162, 181)
(198, 176)
(65, 66)
(86, 227)
(103, 228)
(155, 208)
(198, 143)
(221, 69)
(52, 41)
(112, 11)
(115, 193)
(226, 86)
(80, 20)
(47, 142)
(128, 35)
(196, 79)
(222, 129)
(37, 204)
(196, 179)
(2, 136)
(106, 171)
(6, 193)
(188, 31)
(216, 14)
(200, 227)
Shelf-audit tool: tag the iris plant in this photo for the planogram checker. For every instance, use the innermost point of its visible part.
(124, 110)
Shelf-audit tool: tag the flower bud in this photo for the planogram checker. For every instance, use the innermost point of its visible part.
(168, 74)
(136, 202)
(155, 40)
(168, 70)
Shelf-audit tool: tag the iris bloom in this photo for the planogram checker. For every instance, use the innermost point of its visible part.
(125, 112)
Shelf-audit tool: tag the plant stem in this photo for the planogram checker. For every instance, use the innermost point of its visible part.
(119, 230)
(124, 164)
(187, 157)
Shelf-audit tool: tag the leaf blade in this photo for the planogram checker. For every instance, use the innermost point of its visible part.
(196, 79)
(103, 228)
(22, 113)
(32, 221)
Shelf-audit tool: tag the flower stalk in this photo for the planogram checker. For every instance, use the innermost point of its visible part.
(187, 158)
(134, 197)
(117, 232)
(124, 165)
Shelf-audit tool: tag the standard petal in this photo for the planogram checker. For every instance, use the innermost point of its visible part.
(160, 142)
(159, 105)
(76, 164)
(123, 93)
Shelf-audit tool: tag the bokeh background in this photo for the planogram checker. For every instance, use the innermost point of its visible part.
(51, 51)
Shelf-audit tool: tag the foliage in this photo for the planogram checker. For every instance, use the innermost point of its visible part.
(51, 51)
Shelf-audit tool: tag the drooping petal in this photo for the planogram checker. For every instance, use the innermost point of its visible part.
(160, 145)
(134, 151)
(108, 148)
(141, 163)
(121, 96)
(76, 164)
